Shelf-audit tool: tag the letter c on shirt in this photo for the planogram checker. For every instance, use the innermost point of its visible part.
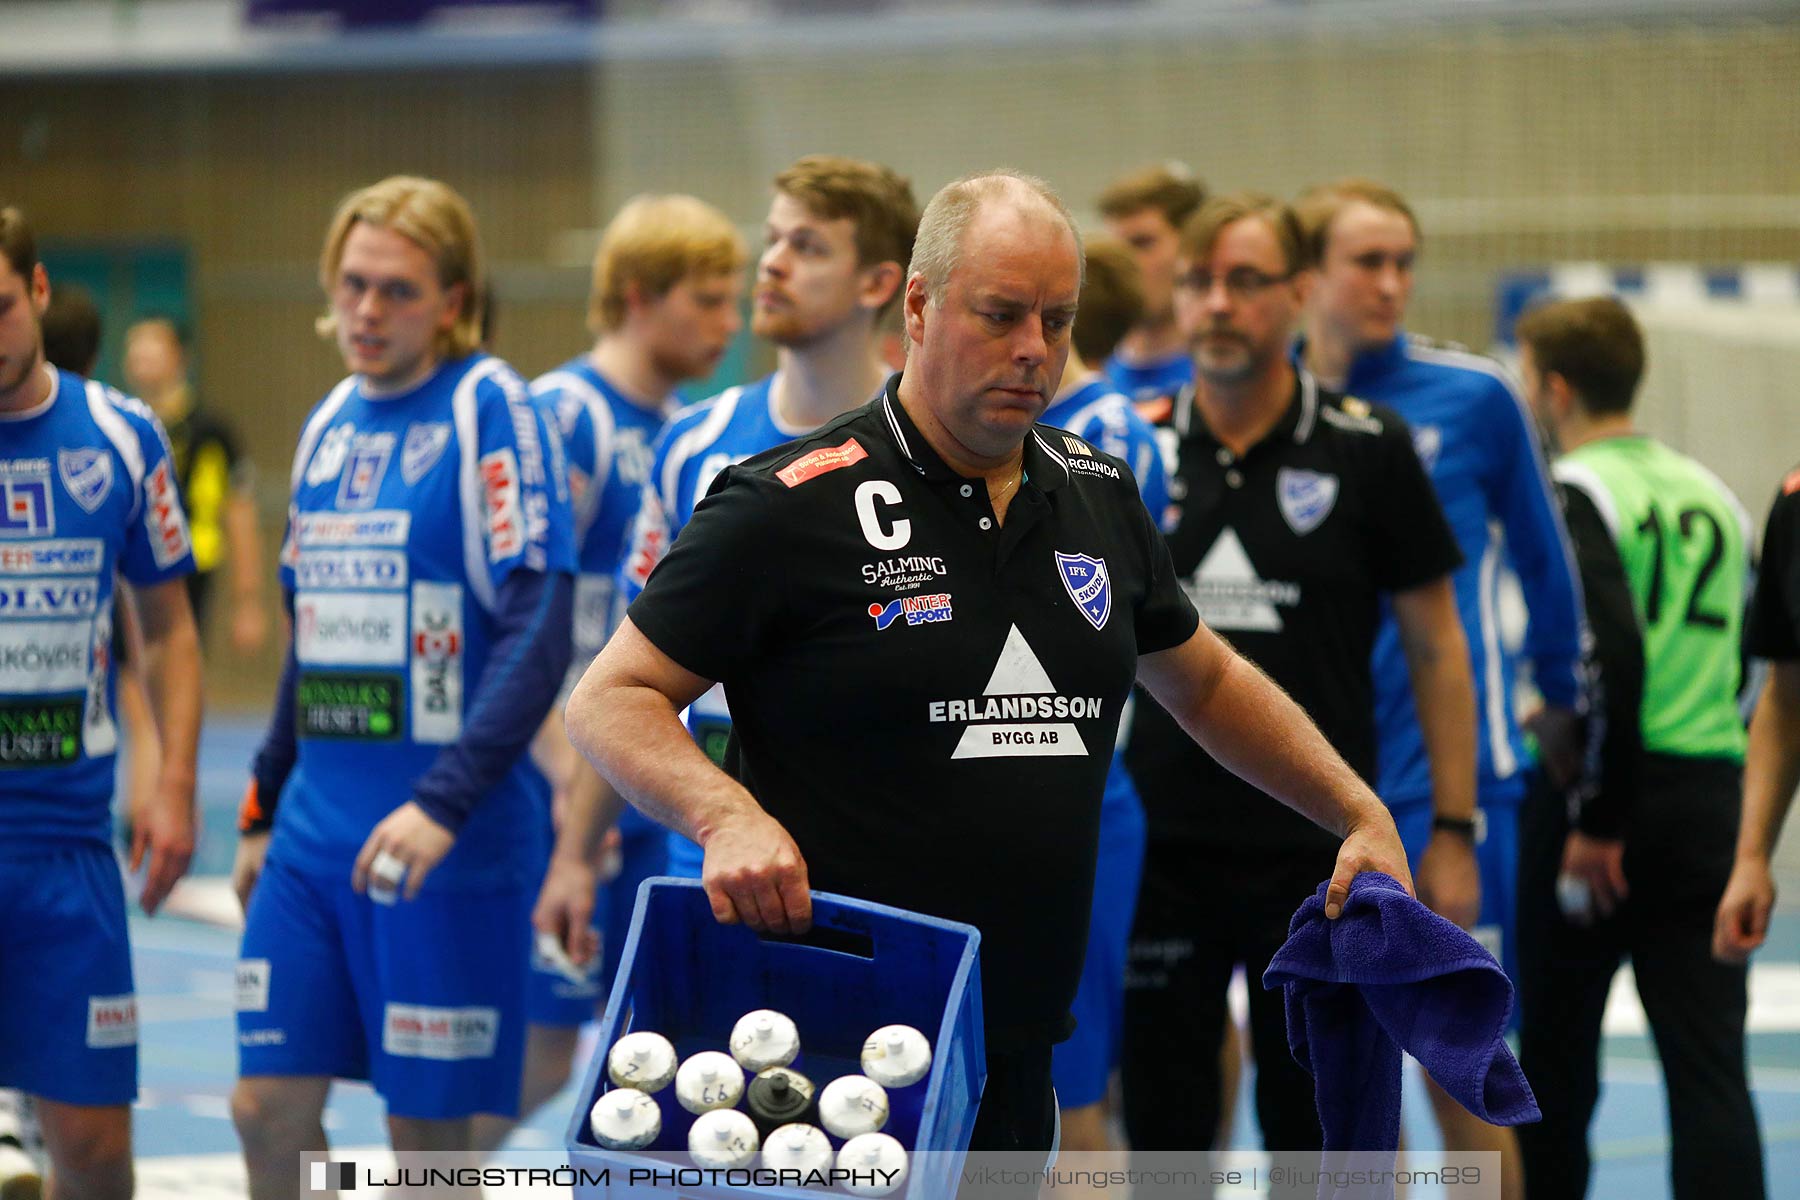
(867, 494)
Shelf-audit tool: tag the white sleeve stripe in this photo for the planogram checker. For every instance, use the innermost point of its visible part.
(1582, 476)
(1052, 452)
(468, 437)
(1487, 366)
(605, 435)
(1494, 686)
(315, 429)
(887, 409)
(600, 413)
(693, 442)
(1183, 415)
(118, 431)
(1309, 406)
(1467, 359)
(1091, 412)
(598, 409)
(1496, 693)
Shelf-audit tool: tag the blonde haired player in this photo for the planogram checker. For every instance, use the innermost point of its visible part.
(668, 276)
(427, 562)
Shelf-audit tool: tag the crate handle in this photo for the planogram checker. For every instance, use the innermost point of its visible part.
(854, 943)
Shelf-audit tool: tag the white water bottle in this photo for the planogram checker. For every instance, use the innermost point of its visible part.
(642, 1060)
(853, 1105)
(876, 1162)
(723, 1139)
(801, 1148)
(625, 1119)
(764, 1039)
(896, 1056)
(709, 1080)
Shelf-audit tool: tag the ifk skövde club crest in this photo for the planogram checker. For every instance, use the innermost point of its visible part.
(1306, 497)
(1088, 584)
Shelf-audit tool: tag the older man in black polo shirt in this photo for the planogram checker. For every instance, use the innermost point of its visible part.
(927, 616)
(1300, 509)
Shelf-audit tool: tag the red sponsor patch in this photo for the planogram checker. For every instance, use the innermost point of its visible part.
(819, 462)
(164, 518)
(505, 515)
(444, 1034)
(436, 647)
(649, 540)
(112, 1021)
(1791, 484)
(645, 556)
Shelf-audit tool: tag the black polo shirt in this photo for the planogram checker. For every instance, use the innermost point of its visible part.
(926, 699)
(1773, 628)
(1286, 552)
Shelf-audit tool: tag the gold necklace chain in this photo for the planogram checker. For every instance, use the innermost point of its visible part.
(1011, 484)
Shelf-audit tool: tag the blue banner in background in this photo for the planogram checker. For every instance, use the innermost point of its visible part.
(405, 13)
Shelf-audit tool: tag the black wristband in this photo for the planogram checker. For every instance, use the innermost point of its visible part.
(1461, 825)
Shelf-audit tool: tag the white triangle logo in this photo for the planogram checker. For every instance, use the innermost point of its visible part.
(1228, 591)
(1018, 673)
(1019, 730)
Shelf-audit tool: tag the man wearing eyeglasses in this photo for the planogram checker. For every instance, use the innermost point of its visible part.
(1299, 509)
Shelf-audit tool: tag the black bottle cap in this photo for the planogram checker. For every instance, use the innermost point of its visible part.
(778, 1096)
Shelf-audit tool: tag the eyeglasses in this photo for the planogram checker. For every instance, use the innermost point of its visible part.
(1241, 283)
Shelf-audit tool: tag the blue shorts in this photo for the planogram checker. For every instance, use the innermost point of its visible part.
(1497, 856)
(71, 1035)
(552, 998)
(423, 998)
(1081, 1066)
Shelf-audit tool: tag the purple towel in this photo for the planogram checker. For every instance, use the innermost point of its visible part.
(1391, 975)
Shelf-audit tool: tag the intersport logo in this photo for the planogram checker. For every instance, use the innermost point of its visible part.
(74, 556)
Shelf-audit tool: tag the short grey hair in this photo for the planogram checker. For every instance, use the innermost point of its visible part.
(937, 250)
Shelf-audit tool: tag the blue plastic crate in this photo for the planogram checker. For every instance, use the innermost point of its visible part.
(687, 977)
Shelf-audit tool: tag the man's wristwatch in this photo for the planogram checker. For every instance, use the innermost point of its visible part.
(1465, 826)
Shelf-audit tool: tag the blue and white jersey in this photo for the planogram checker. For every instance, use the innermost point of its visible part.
(698, 443)
(1100, 415)
(558, 476)
(562, 529)
(408, 513)
(609, 441)
(1144, 382)
(87, 493)
(1477, 442)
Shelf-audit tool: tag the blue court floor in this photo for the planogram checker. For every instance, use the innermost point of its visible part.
(187, 1148)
